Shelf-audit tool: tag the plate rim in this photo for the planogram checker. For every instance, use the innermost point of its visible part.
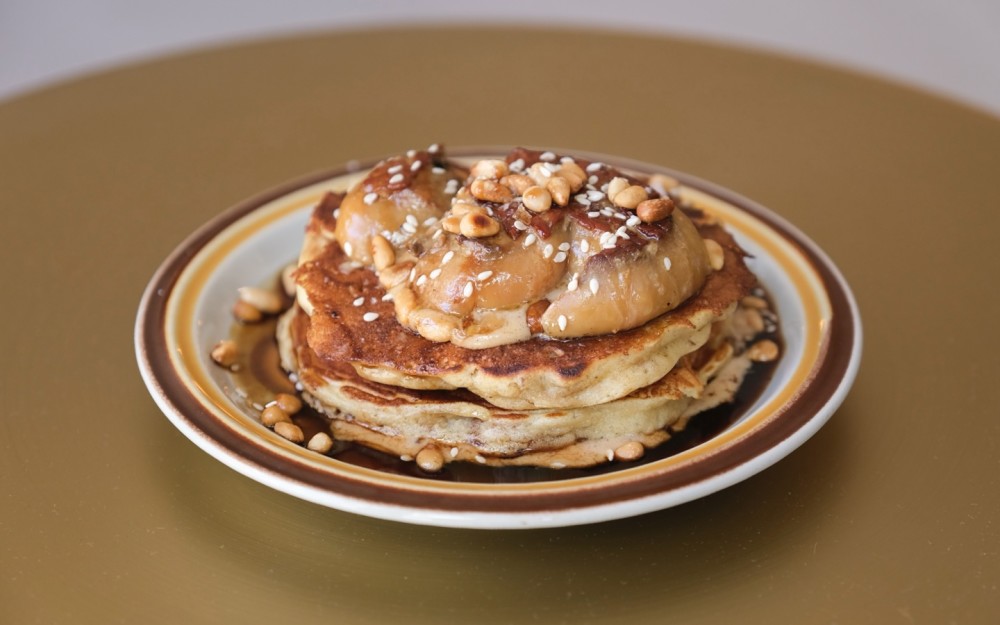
(827, 386)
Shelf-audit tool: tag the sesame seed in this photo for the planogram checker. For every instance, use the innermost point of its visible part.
(408, 227)
(453, 452)
(593, 167)
(484, 275)
(593, 214)
(517, 165)
(547, 252)
(438, 170)
(610, 243)
(666, 263)
(480, 459)
(594, 285)
(633, 221)
(592, 180)
(582, 199)
(547, 156)
(530, 239)
(546, 172)
(467, 291)
(620, 232)
(564, 246)
(348, 248)
(437, 234)
(396, 179)
(434, 148)
(370, 316)
(336, 213)
(562, 322)
(448, 256)
(410, 219)
(604, 187)
(567, 159)
(551, 167)
(370, 198)
(435, 273)
(416, 165)
(387, 297)
(610, 454)
(607, 211)
(359, 301)
(406, 457)
(585, 246)
(411, 153)
(395, 169)
(558, 465)
(573, 283)
(595, 196)
(621, 216)
(605, 236)
(421, 281)
(413, 274)
(559, 257)
(520, 225)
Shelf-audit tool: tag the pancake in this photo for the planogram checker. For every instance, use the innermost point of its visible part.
(437, 427)
(536, 373)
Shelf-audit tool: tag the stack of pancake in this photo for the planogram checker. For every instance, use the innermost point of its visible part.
(533, 310)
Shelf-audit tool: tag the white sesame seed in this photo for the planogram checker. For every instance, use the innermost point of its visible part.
(620, 232)
(585, 246)
(593, 214)
(408, 227)
(359, 301)
(562, 322)
(348, 248)
(592, 180)
(517, 165)
(573, 283)
(453, 452)
(396, 179)
(567, 159)
(438, 170)
(582, 199)
(467, 291)
(621, 216)
(433, 148)
(610, 454)
(593, 167)
(607, 211)
(336, 213)
(633, 221)
(395, 169)
(437, 234)
(558, 465)
(564, 246)
(605, 236)
(413, 274)
(370, 316)
(520, 225)
(451, 187)
(547, 252)
(595, 196)
(530, 239)
(435, 273)
(594, 286)
(411, 153)
(547, 156)
(406, 457)
(416, 165)
(666, 263)
(551, 167)
(484, 275)
(546, 172)
(370, 198)
(610, 243)
(421, 281)
(480, 459)
(447, 256)
(411, 219)
(387, 297)
(559, 257)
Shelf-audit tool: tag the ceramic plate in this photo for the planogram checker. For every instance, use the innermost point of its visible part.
(186, 310)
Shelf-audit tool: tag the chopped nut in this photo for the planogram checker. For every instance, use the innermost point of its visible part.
(452, 224)
(632, 450)
(517, 183)
(477, 224)
(433, 325)
(654, 210)
(430, 459)
(263, 300)
(752, 301)
(763, 351)
(533, 315)
(224, 353)
(320, 443)
(488, 168)
(490, 191)
(246, 313)
(536, 199)
(289, 403)
(716, 257)
(461, 208)
(560, 190)
(573, 174)
(616, 186)
(754, 320)
(630, 197)
(273, 415)
(290, 431)
(382, 253)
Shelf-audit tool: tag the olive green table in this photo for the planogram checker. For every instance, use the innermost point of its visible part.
(109, 515)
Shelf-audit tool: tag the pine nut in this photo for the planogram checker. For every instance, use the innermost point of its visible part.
(537, 200)
(263, 300)
(430, 459)
(518, 183)
(452, 224)
(382, 253)
(654, 210)
(224, 353)
(461, 208)
(574, 175)
(632, 450)
(630, 197)
(246, 313)
(289, 403)
(273, 415)
(477, 224)
(716, 257)
(560, 190)
(752, 301)
(490, 191)
(290, 431)
(320, 443)
(488, 168)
